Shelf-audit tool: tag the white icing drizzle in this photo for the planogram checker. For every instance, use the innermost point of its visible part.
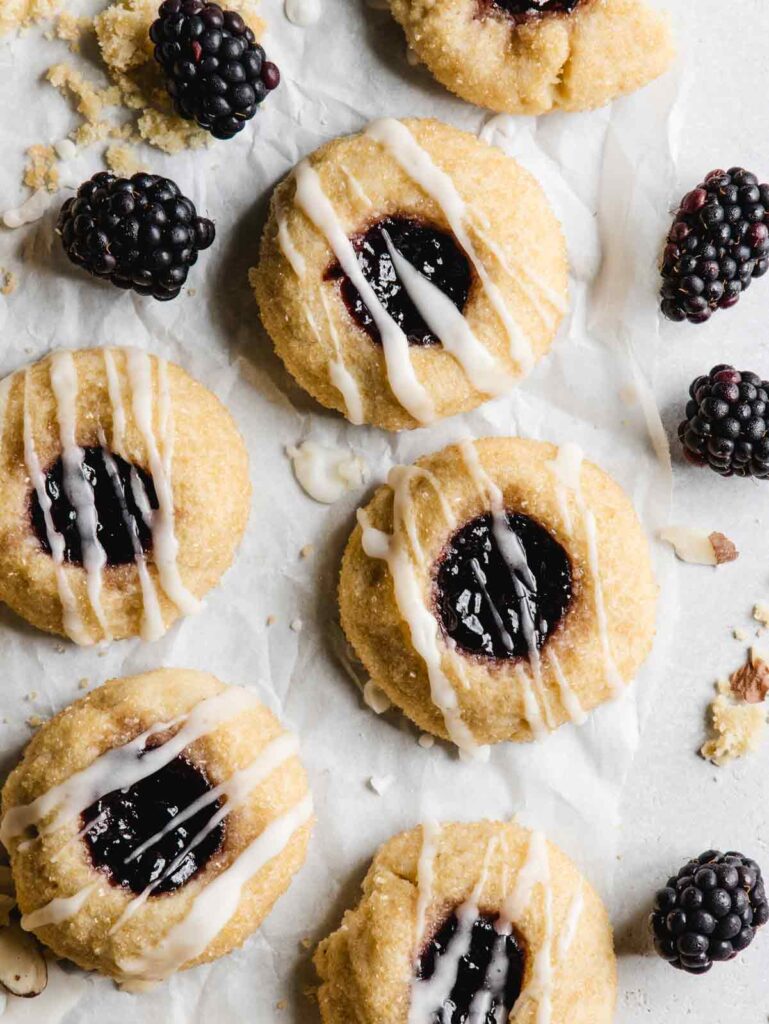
(58, 910)
(356, 186)
(214, 905)
(401, 375)
(234, 792)
(567, 469)
(164, 541)
(71, 620)
(417, 163)
(286, 243)
(122, 767)
(535, 871)
(524, 583)
(431, 993)
(447, 323)
(340, 376)
(573, 915)
(394, 549)
(431, 835)
(64, 384)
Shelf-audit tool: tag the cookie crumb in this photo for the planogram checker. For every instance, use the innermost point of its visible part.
(739, 634)
(306, 942)
(83, 684)
(307, 550)
(271, 620)
(123, 161)
(281, 1004)
(296, 626)
(23, 13)
(8, 282)
(761, 613)
(738, 727)
(41, 170)
(32, 695)
(71, 29)
(426, 741)
(35, 721)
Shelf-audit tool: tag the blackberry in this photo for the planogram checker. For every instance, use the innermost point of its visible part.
(709, 911)
(727, 423)
(216, 72)
(138, 232)
(718, 243)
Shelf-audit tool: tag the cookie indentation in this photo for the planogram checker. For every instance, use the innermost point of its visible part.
(488, 977)
(123, 495)
(122, 821)
(500, 605)
(435, 254)
(530, 10)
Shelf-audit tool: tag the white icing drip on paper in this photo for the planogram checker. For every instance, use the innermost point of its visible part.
(71, 620)
(423, 628)
(400, 373)
(64, 383)
(234, 792)
(164, 541)
(214, 905)
(58, 910)
(326, 474)
(417, 163)
(302, 12)
(446, 322)
(122, 767)
(514, 555)
(567, 469)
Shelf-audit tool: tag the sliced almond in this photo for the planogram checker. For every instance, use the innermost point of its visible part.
(751, 682)
(23, 970)
(725, 549)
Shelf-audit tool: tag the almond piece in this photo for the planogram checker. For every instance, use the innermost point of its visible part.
(23, 970)
(725, 550)
(751, 682)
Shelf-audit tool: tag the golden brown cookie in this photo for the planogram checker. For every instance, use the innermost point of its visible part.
(529, 57)
(484, 918)
(409, 273)
(124, 492)
(153, 824)
(498, 589)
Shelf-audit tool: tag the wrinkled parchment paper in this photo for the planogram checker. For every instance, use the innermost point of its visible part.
(610, 175)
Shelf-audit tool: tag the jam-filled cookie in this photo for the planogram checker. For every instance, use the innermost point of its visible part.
(498, 589)
(410, 272)
(124, 492)
(152, 825)
(483, 922)
(533, 56)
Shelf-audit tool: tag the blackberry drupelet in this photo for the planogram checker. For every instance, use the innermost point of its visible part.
(216, 72)
(727, 423)
(718, 243)
(138, 232)
(709, 911)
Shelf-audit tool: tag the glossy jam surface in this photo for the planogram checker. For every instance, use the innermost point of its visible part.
(483, 602)
(123, 820)
(529, 10)
(118, 489)
(434, 253)
(494, 964)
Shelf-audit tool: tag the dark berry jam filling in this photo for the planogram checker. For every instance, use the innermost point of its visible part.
(114, 483)
(125, 819)
(434, 253)
(529, 10)
(488, 606)
(494, 965)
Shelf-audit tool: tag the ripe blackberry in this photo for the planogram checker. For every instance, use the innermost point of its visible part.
(138, 232)
(727, 423)
(709, 911)
(718, 243)
(216, 73)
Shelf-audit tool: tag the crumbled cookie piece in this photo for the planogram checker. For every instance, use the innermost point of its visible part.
(761, 613)
(8, 281)
(90, 101)
(16, 14)
(41, 170)
(71, 29)
(123, 161)
(738, 727)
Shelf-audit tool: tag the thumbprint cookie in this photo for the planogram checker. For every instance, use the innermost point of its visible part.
(152, 825)
(124, 492)
(534, 56)
(484, 922)
(410, 272)
(498, 589)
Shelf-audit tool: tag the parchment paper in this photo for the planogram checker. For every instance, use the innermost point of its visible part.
(611, 175)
